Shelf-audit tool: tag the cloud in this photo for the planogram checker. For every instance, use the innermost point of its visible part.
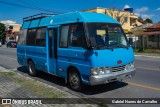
(141, 10)
(138, 14)
(145, 16)
(158, 9)
(126, 6)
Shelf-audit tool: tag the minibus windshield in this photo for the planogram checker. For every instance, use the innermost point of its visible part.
(106, 35)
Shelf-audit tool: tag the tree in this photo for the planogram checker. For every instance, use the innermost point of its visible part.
(2, 32)
(140, 19)
(118, 15)
(148, 21)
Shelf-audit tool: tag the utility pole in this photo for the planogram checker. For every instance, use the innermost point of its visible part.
(142, 42)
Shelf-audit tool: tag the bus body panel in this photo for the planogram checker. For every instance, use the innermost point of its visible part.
(81, 59)
(38, 56)
(71, 57)
(72, 18)
(108, 57)
(21, 55)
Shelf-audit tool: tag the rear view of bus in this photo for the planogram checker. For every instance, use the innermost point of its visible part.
(82, 47)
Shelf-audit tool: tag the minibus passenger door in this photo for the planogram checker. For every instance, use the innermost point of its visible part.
(52, 49)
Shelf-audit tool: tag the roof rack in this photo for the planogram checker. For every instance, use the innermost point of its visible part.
(37, 16)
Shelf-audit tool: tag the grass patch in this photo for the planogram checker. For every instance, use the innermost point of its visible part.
(7, 74)
(39, 89)
(34, 87)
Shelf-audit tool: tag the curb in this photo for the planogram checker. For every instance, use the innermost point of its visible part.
(147, 56)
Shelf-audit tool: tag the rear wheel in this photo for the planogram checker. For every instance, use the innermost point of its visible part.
(74, 80)
(31, 68)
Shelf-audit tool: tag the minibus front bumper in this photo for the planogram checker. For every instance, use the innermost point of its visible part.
(116, 76)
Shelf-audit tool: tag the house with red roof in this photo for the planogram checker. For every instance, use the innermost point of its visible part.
(149, 35)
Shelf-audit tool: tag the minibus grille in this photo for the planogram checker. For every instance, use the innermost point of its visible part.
(119, 68)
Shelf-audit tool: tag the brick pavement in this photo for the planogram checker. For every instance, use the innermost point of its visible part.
(11, 89)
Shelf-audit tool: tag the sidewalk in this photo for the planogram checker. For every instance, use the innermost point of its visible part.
(4, 46)
(10, 89)
(15, 85)
(151, 55)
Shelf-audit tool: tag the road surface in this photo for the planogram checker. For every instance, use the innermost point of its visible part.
(145, 84)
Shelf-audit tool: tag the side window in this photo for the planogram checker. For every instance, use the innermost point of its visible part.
(64, 36)
(41, 37)
(22, 37)
(31, 37)
(50, 42)
(77, 35)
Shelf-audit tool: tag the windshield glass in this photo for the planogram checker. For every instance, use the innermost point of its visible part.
(104, 35)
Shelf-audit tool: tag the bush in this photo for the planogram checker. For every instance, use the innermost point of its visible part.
(147, 51)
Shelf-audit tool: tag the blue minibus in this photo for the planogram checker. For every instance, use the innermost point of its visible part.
(82, 47)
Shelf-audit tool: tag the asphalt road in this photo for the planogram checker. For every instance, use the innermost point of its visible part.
(145, 84)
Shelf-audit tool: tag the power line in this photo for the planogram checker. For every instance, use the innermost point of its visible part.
(57, 10)
(37, 7)
(18, 5)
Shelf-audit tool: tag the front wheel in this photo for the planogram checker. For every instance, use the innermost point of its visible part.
(31, 69)
(74, 80)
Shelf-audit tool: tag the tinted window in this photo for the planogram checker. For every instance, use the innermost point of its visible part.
(41, 37)
(22, 37)
(31, 37)
(55, 42)
(77, 35)
(50, 42)
(64, 36)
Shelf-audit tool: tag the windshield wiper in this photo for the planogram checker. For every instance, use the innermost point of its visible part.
(98, 46)
(103, 47)
(109, 48)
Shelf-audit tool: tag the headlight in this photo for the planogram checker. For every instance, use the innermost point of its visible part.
(100, 71)
(130, 66)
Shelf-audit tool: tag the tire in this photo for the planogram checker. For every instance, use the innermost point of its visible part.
(74, 80)
(31, 69)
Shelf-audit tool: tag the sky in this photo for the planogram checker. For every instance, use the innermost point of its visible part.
(16, 10)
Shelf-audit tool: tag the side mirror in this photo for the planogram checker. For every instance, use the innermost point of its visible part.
(93, 43)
